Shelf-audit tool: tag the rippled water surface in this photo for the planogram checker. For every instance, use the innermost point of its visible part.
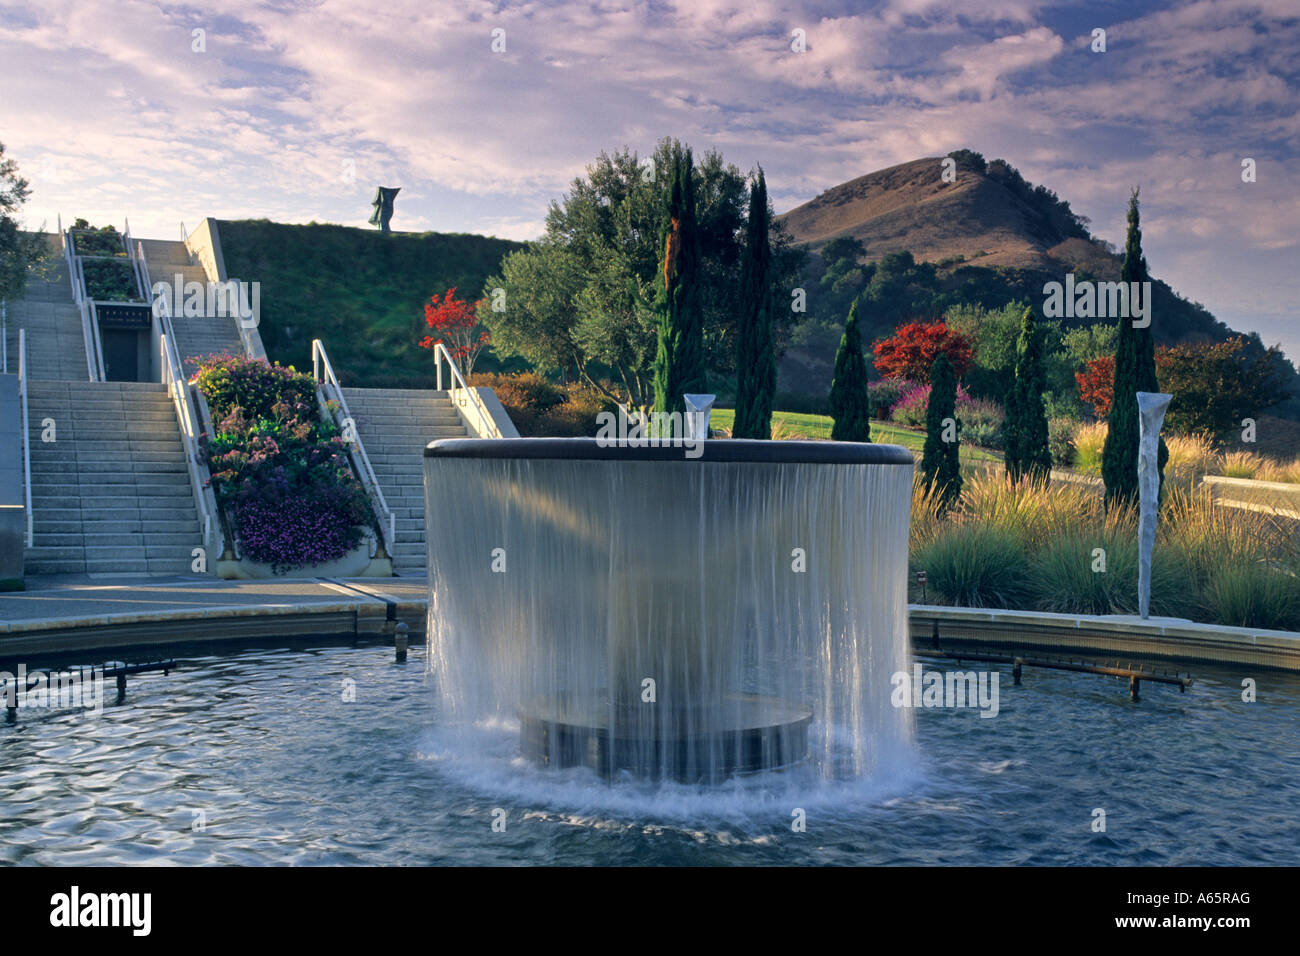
(261, 749)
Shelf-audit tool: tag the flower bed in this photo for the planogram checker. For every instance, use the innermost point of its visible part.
(89, 241)
(109, 280)
(279, 473)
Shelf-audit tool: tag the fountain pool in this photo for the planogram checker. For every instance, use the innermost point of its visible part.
(286, 769)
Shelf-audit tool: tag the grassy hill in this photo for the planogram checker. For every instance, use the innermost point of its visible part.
(360, 291)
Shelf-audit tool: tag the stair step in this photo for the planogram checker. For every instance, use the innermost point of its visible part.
(36, 564)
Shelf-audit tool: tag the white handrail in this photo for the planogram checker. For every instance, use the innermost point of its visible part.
(89, 328)
(76, 298)
(320, 360)
(93, 317)
(187, 415)
(142, 274)
(252, 348)
(27, 447)
(187, 418)
(484, 419)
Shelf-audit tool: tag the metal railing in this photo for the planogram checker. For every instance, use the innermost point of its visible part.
(142, 273)
(253, 347)
(27, 445)
(226, 539)
(487, 427)
(4, 337)
(188, 416)
(188, 419)
(136, 259)
(320, 361)
(89, 327)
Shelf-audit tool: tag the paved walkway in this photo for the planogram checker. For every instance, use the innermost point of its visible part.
(68, 598)
(63, 614)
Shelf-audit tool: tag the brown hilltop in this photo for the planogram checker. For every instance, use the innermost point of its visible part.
(908, 206)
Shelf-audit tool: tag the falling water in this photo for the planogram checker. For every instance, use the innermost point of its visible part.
(672, 618)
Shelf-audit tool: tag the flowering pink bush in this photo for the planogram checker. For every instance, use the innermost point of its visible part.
(912, 404)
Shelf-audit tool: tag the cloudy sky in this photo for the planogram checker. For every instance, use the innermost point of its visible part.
(294, 110)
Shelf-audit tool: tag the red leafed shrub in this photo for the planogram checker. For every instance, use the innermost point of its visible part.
(1097, 384)
(913, 347)
(454, 322)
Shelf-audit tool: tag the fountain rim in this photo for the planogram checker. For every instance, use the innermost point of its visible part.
(713, 450)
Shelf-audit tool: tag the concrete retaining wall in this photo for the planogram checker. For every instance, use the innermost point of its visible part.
(13, 511)
(498, 425)
(1118, 636)
(1272, 496)
(370, 609)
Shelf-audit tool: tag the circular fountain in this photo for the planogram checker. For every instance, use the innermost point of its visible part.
(638, 611)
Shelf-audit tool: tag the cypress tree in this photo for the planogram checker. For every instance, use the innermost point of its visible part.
(1026, 445)
(850, 406)
(1135, 371)
(755, 355)
(679, 358)
(940, 462)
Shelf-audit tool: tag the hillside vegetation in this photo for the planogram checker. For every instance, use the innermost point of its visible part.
(360, 291)
(913, 247)
(907, 245)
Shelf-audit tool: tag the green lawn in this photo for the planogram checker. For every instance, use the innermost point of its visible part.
(786, 425)
(361, 291)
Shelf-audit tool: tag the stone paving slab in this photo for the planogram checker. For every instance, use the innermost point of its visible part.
(100, 599)
(74, 614)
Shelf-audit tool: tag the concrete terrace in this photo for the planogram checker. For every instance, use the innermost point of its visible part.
(63, 615)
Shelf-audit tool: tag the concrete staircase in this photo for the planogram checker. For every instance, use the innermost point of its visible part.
(111, 495)
(394, 425)
(195, 337)
(56, 346)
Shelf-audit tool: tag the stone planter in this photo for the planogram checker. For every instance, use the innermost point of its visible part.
(357, 563)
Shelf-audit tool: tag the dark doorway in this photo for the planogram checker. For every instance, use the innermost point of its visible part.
(121, 354)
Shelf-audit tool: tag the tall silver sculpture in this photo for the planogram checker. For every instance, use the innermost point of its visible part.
(1151, 415)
